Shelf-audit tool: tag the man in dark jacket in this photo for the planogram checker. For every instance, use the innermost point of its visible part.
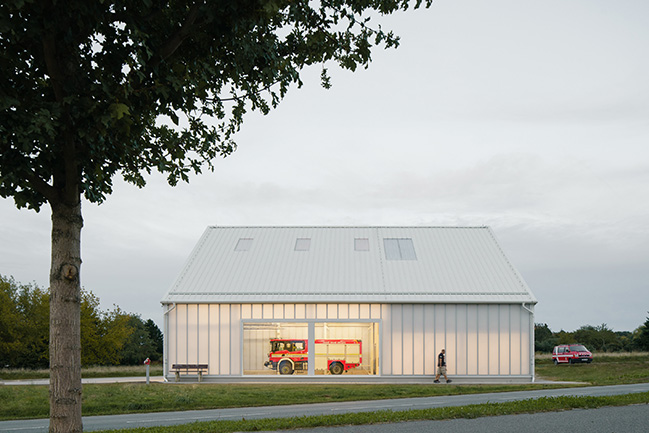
(441, 367)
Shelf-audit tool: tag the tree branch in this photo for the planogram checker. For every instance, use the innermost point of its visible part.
(45, 189)
(177, 39)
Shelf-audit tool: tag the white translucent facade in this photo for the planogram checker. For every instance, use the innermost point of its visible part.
(487, 341)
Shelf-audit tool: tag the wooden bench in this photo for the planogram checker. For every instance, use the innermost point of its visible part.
(189, 368)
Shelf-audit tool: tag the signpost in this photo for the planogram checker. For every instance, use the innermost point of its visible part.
(147, 362)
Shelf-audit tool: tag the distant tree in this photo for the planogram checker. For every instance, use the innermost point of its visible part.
(91, 329)
(24, 325)
(9, 323)
(599, 338)
(33, 305)
(544, 339)
(641, 337)
(24, 328)
(139, 345)
(624, 340)
(156, 336)
(93, 89)
(116, 333)
(103, 333)
(564, 337)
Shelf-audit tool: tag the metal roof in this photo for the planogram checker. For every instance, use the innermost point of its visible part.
(277, 265)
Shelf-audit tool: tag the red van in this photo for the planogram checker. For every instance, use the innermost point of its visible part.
(571, 354)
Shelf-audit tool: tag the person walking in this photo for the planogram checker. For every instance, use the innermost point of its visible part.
(441, 367)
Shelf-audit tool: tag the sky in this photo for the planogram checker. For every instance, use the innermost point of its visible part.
(529, 117)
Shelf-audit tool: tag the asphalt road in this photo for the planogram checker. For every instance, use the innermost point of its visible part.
(172, 418)
(624, 419)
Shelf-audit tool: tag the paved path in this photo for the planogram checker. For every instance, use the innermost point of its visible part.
(173, 418)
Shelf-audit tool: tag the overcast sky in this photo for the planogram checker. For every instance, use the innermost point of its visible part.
(529, 117)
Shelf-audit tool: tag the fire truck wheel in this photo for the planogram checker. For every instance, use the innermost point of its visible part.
(285, 367)
(336, 368)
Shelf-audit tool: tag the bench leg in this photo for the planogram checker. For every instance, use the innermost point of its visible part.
(177, 376)
(200, 376)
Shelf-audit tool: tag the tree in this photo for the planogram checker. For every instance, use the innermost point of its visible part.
(9, 322)
(544, 340)
(139, 345)
(92, 89)
(156, 337)
(103, 334)
(641, 336)
(24, 321)
(33, 307)
(599, 338)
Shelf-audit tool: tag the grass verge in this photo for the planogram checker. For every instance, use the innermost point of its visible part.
(546, 404)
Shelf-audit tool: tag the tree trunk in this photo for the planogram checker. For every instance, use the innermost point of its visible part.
(65, 312)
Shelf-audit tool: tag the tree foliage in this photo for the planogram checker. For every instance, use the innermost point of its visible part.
(641, 336)
(24, 324)
(597, 338)
(86, 83)
(600, 338)
(544, 340)
(108, 337)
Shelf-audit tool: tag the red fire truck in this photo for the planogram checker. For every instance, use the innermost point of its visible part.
(335, 355)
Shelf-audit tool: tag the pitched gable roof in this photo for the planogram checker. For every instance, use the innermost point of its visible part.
(348, 264)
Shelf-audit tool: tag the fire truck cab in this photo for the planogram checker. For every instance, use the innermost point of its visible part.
(335, 355)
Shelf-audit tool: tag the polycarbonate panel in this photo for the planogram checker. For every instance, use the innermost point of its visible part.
(407, 331)
(224, 330)
(450, 331)
(505, 340)
(429, 339)
(214, 338)
(516, 346)
(461, 338)
(418, 342)
(483, 340)
(493, 340)
(472, 340)
(397, 339)
(203, 341)
(192, 334)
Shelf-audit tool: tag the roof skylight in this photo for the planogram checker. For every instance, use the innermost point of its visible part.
(399, 249)
(302, 244)
(244, 244)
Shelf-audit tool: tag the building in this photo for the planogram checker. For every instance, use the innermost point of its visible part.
(404, 292)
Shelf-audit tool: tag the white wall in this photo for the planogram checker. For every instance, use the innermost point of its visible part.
(480, 339)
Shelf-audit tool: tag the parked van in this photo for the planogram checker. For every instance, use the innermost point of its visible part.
(571, 354)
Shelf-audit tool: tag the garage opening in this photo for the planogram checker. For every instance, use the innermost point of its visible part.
(314, 348)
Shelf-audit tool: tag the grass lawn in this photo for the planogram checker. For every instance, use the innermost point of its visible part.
(105, 399)
(126, 371)
(605, 369)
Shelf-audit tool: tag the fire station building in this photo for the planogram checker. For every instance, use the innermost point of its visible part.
(391, 296)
